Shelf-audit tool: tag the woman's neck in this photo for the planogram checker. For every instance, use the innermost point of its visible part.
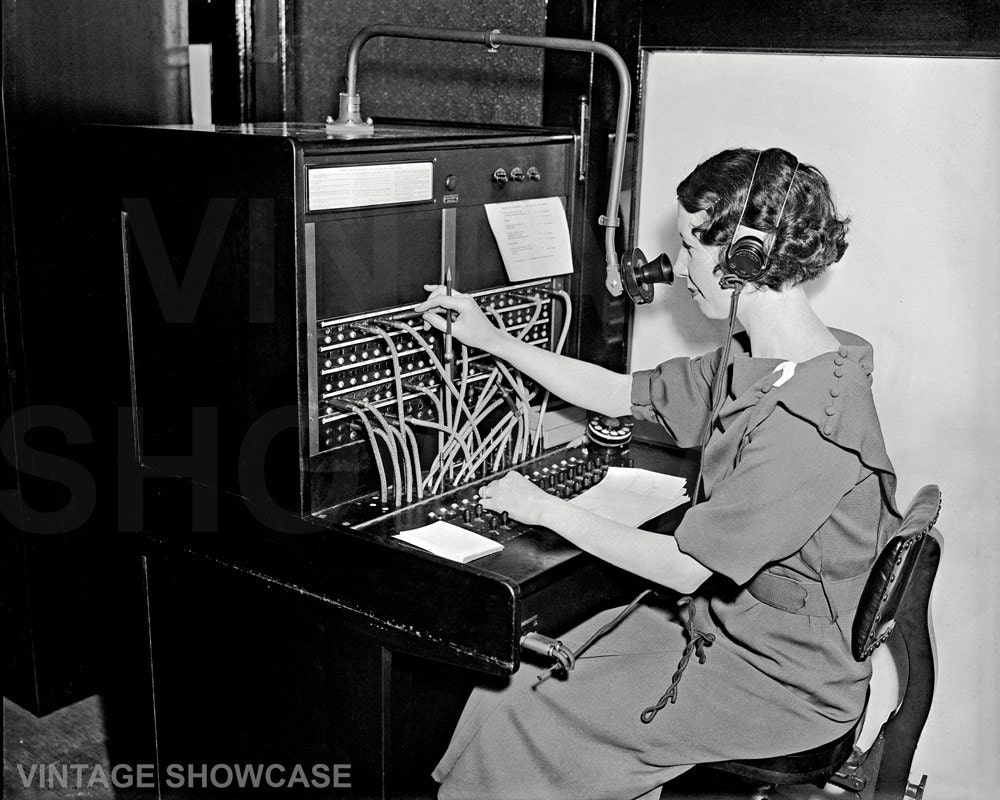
(783, 325)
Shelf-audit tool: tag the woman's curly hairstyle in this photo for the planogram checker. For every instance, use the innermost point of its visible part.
(811, 236)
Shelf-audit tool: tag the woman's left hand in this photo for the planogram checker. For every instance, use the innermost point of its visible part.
(518, 496)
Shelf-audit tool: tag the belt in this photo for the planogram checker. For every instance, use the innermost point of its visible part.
(807, 597)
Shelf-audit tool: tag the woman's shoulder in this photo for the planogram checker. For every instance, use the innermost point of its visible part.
(832, 389)
(833, 392)
(857, 349)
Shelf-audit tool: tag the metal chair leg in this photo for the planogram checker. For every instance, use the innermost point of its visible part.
(916, 790)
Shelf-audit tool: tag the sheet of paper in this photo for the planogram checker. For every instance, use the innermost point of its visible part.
(450, 541)
(632, 496)
(533, 236)
(200, 80)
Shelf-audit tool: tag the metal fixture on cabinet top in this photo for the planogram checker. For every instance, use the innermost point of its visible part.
(350, 122)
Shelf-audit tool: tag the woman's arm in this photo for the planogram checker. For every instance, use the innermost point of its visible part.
(576, 382)
(649, 555)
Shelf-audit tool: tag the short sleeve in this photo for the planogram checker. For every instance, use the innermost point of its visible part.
(677, 395)
(787, 483)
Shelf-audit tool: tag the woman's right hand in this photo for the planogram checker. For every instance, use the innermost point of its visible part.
(469, 324)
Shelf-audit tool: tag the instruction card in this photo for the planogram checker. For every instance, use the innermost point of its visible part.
(533, 236)
(449, 541)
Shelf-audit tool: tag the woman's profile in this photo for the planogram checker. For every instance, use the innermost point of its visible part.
(796, 498)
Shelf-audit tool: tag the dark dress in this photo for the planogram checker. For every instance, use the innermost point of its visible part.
(800, 499)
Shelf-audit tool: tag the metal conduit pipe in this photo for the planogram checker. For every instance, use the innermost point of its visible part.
(351, 122)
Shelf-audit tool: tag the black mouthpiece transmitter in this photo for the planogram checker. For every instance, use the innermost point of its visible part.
(639, 275)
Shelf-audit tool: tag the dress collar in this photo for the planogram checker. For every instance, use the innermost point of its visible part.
(749, 372)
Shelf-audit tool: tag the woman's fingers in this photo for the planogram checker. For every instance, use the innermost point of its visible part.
(491, 496)
(468, 323)
(439, 299)
(435, 321)
(455, 302)
(434, 308)
(507, 493)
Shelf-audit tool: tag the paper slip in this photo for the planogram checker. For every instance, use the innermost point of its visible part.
(449, 541)
(533, 237)
(632, 496)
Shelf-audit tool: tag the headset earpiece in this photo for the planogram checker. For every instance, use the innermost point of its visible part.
(748, 258)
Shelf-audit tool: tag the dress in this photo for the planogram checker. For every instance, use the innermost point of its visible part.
(799, 488)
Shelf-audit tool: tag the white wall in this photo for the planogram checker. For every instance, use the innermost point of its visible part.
(911, 147)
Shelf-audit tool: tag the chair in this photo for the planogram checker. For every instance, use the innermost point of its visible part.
(896, 599)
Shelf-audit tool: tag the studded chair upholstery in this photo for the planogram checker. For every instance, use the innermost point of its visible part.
(894, 609)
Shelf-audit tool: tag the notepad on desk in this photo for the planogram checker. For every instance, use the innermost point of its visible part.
(632, 496)
(449, 541)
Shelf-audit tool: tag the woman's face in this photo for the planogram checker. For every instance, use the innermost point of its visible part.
(697, 263)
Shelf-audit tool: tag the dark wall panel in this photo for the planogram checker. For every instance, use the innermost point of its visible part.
(418, 79)
(65, 64)
(911, 27)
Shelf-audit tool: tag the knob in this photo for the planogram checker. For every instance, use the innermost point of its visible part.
(500, 176)
(450, 183)
(517, 174)
(534, 174)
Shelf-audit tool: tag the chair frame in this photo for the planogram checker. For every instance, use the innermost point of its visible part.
(883, 771)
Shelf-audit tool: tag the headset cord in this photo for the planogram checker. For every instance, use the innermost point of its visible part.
(599, 633)
(696, 644)
(697, 640)
(718, 392)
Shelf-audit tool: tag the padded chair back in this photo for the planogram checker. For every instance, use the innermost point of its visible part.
(880, 600)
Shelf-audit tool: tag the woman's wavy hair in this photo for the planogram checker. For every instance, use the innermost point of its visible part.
(811, 235)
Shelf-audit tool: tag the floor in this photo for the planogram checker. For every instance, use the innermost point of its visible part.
(72, 737)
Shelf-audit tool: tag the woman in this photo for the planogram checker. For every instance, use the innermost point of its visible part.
(798, 499)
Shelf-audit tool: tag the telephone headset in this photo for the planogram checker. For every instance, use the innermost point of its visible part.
(746, 259)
